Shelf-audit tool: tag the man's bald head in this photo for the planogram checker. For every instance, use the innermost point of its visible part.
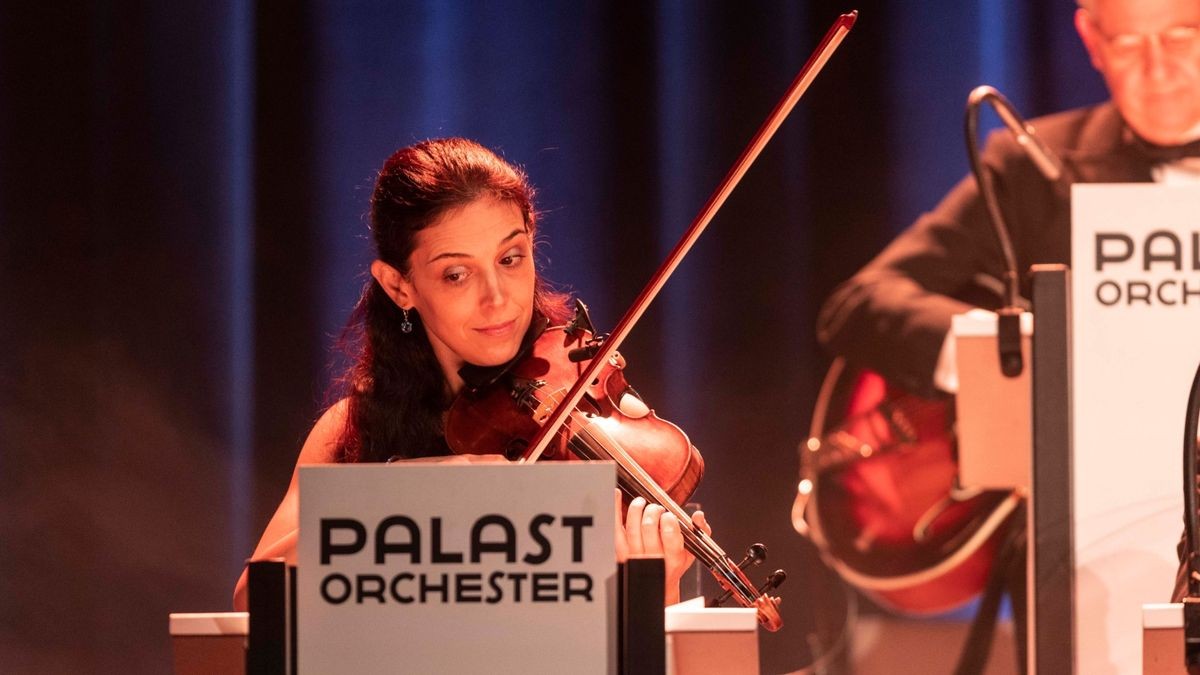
(1149, 54)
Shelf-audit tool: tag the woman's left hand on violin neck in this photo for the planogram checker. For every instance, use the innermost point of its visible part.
(649, 529)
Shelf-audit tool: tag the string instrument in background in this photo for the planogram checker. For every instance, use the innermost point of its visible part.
(878, 496)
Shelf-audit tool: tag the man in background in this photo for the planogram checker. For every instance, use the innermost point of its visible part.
(894, 315)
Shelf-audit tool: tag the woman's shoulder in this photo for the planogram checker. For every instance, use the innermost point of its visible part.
(322, 443)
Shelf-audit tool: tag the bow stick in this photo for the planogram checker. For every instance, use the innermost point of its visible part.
(833, 38)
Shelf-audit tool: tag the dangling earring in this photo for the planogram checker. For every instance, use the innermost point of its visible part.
(406, 325)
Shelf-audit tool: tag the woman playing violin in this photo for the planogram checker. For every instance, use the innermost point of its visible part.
(454, 284)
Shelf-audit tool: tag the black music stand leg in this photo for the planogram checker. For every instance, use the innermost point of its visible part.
(291, 621)
(1051, 642)
(641, 645)
(1018, 590)
(267, 643)
(1008, 574)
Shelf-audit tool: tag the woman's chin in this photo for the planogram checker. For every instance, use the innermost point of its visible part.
(495, 357)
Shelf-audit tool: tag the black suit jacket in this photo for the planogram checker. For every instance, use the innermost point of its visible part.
(894, 314)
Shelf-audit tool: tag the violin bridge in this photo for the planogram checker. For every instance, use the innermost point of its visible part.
(524, 396)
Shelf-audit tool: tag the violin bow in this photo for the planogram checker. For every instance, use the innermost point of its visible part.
(832, 40)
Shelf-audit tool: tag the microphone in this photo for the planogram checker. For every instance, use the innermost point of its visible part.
(1008, 329)
(1041, 156)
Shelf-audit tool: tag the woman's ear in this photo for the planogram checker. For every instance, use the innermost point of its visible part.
(393, 283)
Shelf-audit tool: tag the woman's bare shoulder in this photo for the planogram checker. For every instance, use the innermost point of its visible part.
(321, 445)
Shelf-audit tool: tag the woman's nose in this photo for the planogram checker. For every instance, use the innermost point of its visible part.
(493, 290)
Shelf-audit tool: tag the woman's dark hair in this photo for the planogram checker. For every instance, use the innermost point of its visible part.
(395, 389)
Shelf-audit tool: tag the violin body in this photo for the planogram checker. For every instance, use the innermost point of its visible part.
(654, 458)
(504, 419)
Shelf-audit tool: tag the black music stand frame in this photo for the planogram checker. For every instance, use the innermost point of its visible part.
(1051, 620)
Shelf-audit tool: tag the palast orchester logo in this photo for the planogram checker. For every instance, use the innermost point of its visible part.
(491, 566)
(1160, 268)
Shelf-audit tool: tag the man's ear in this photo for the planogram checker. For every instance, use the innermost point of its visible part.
(1091, 40)
(393, 283)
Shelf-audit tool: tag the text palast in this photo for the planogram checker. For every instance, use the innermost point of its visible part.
(415, 543)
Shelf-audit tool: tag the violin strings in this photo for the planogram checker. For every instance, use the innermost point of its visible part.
(585, 444)
(702, 546)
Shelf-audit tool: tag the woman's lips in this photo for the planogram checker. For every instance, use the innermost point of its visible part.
(497, 329)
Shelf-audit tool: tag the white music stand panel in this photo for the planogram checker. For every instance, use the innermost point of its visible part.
(1162, 639)
(994, 421)
(422, 567)
(1136, 343)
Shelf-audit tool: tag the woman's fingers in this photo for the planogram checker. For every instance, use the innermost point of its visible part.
(621, 540)
(633, 526)
(649, 529)
(450, 459)
(652, 541)
(672, 538)
(483, 459)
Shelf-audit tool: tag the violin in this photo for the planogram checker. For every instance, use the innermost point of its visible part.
(611, 419)
(654, 457)
(582, 406)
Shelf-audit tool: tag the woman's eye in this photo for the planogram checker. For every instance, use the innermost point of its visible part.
(512, 259)
(454, 276)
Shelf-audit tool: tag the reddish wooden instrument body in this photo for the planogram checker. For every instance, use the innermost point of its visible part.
(610, 414)
(884, 507)
(655, 460)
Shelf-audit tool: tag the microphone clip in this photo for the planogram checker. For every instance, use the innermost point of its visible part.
(1008, 337)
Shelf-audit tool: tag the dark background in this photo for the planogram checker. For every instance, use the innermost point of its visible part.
(182, 235)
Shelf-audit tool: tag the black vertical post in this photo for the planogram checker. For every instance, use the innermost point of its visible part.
(291, 620)
(1052, 625)
(266, 648)
(641, 646)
